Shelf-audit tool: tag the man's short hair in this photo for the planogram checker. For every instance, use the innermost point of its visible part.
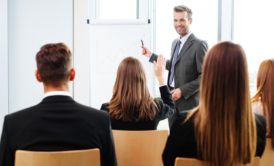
(54, 63)
(183, 8)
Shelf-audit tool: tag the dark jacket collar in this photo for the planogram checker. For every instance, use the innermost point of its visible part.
(57, 98)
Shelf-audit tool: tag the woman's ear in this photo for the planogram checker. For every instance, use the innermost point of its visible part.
(72, 74)
(37, 75)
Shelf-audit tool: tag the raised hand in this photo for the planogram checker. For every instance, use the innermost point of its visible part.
(159, 68)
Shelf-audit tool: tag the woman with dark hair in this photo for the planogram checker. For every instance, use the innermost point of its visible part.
(131, 106)
(222, 130)
(263, 100)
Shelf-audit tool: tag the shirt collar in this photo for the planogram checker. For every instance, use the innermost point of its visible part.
(184, 38)
(57, 93)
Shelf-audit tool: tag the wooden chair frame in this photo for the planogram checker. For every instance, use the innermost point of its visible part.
(58, 158)
(139, 148)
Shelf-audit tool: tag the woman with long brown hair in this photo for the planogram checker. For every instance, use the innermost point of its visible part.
(222, 129)
(263, 100)
(131, 106)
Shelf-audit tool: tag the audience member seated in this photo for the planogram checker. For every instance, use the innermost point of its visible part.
(223, 129)
(263, 100)
(57, 122)
(131, 106)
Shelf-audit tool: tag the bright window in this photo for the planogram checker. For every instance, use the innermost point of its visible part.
(254, 31)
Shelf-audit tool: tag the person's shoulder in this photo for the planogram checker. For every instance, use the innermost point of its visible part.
(94, 116)
(21, 114)
(104, 107)
(91, 110)
(260, 121)
(259, 118)
(18, 119)
(198, 40)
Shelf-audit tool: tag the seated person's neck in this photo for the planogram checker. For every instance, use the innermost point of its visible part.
(50, 88)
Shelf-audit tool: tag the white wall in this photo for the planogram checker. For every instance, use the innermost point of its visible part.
(225, 14)
(110, 41)
(33, 23)
(109, 45)
(3, 60)
(81, 45)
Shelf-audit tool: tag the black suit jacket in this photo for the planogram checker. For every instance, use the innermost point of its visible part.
(166, 109)
(57, 123)
(182, 141)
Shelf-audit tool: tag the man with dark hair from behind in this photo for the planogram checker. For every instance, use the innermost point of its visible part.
(57, 122)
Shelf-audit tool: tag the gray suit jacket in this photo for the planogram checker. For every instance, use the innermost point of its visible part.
(187, 70)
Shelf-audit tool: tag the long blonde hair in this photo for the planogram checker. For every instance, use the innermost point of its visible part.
(131, 100)
(224, 123)
(265, 92)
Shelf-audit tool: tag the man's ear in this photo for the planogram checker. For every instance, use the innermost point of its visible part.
(37, 75)
(71, 74)
(190, 20)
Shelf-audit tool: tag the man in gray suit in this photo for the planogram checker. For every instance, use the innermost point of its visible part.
(185, 65)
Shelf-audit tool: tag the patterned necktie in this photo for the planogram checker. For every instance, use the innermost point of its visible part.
(174, 59)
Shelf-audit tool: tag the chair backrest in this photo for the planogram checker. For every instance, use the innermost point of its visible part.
(139, 148)
(181, 161)
(58, 158)
(268, 155)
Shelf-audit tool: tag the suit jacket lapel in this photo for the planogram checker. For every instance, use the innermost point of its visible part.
(186, 46)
